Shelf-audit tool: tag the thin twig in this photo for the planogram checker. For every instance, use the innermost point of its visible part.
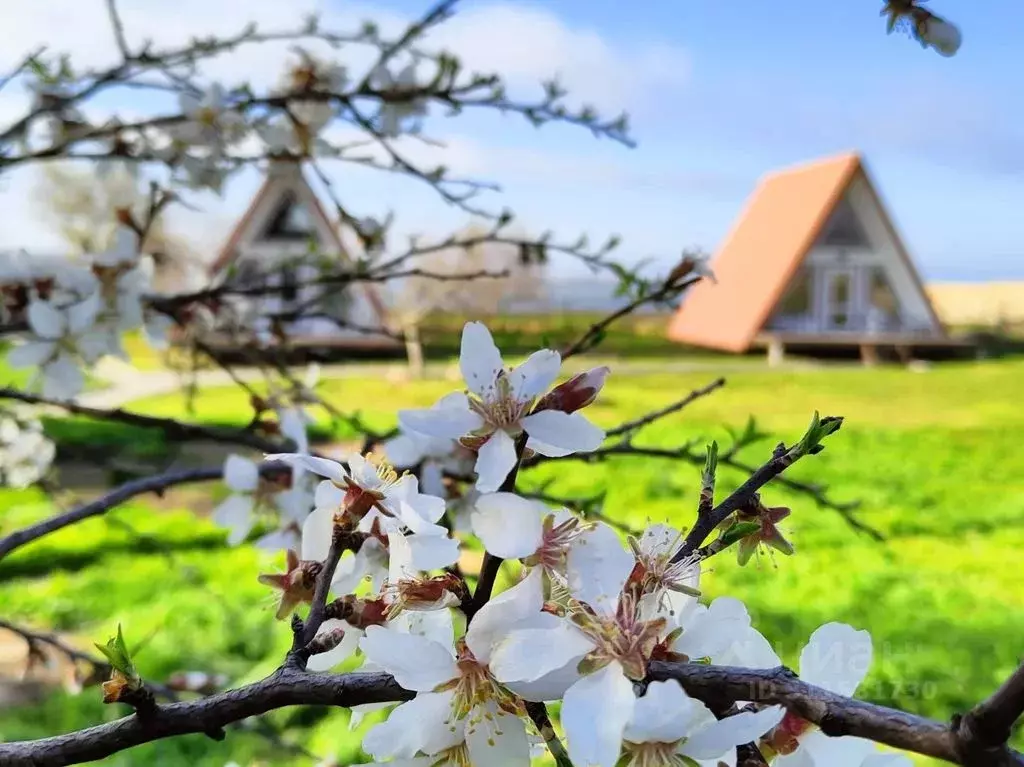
(675, 407)
(538, 713)
(157, 483)
(118, 26)
(172, 428)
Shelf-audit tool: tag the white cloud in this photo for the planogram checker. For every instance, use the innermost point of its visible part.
(529, 44)
(526, 44)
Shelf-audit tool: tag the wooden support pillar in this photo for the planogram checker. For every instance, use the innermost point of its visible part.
(903, 352)
(869, 354)
(776, 352)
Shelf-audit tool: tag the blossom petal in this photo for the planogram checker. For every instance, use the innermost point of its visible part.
(509, 526)
(325, 661)
(432, 552)
(235, 513)
(525, 655)
(595, 711)
(497, 617)
(597, 567)
(494, 460)
(750, 650)
(31, 354)
(450, 418)
(711, 631)
(799, 758)
(316, 535)
(404, 451)
(495, 738)
(535, 376)
(887, 760)
(836, 657)
(328, 496)
(565, 432)
(479, 359)
(417, 725)
(241, 474)
(82, 315)
(719, 737)
(415, 662)
(63, 378)
(663, 715)
(46, 320)
(320, 466)
(426, 507)
(400, 565)
(551, 686)
(843, 751)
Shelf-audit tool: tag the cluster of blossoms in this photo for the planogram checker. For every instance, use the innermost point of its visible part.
(77, 311)
(218, 125)
(25, 451)
(582, 620)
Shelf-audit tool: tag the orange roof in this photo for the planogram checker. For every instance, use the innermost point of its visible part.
(782, 221)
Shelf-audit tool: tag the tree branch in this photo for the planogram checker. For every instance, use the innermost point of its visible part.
(288, 686)
(675, 407)
(155, 484)
(989, 725)
(782, 458)
(174, 429)
(834, 714)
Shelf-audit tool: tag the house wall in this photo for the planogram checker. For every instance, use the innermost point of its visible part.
(882, 251)
(353, 304)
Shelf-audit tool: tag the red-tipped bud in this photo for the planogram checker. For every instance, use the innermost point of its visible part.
(576, 393)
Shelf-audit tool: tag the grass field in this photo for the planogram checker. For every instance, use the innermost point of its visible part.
(934, 457)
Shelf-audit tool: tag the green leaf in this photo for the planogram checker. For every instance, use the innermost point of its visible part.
(710, 465)
(117, 654)
(810, 443)
(739, 530)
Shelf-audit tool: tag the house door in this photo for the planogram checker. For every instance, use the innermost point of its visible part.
(838, 299)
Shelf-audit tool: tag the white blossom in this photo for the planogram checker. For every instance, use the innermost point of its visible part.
(64, 338)
(26, 454)
(835, 658)
(394, 115)
(455, 686)
(667, 724)
(211, 121)
(499, 410)
(938, 33)
(237, 511)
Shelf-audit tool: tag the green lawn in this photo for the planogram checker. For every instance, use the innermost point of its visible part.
(934, 456)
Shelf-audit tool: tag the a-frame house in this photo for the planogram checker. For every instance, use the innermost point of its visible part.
(285, 238)
(813, 261)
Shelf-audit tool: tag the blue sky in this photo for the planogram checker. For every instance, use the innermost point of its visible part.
(719, 93)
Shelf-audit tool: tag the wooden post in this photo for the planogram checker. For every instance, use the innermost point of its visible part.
(869, 354)
(776, 352)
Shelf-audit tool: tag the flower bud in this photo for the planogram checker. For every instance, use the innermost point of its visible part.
(576, 393)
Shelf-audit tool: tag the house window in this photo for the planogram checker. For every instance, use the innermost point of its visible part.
(884, 306)
(289, 285)
(839, 299)
(797, 300)
(247, 273)
(844, 229)
(292, 221)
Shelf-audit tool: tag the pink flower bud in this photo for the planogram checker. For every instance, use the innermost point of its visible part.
(576, 393)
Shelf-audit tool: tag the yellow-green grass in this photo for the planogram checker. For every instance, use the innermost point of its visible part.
(934, 457)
